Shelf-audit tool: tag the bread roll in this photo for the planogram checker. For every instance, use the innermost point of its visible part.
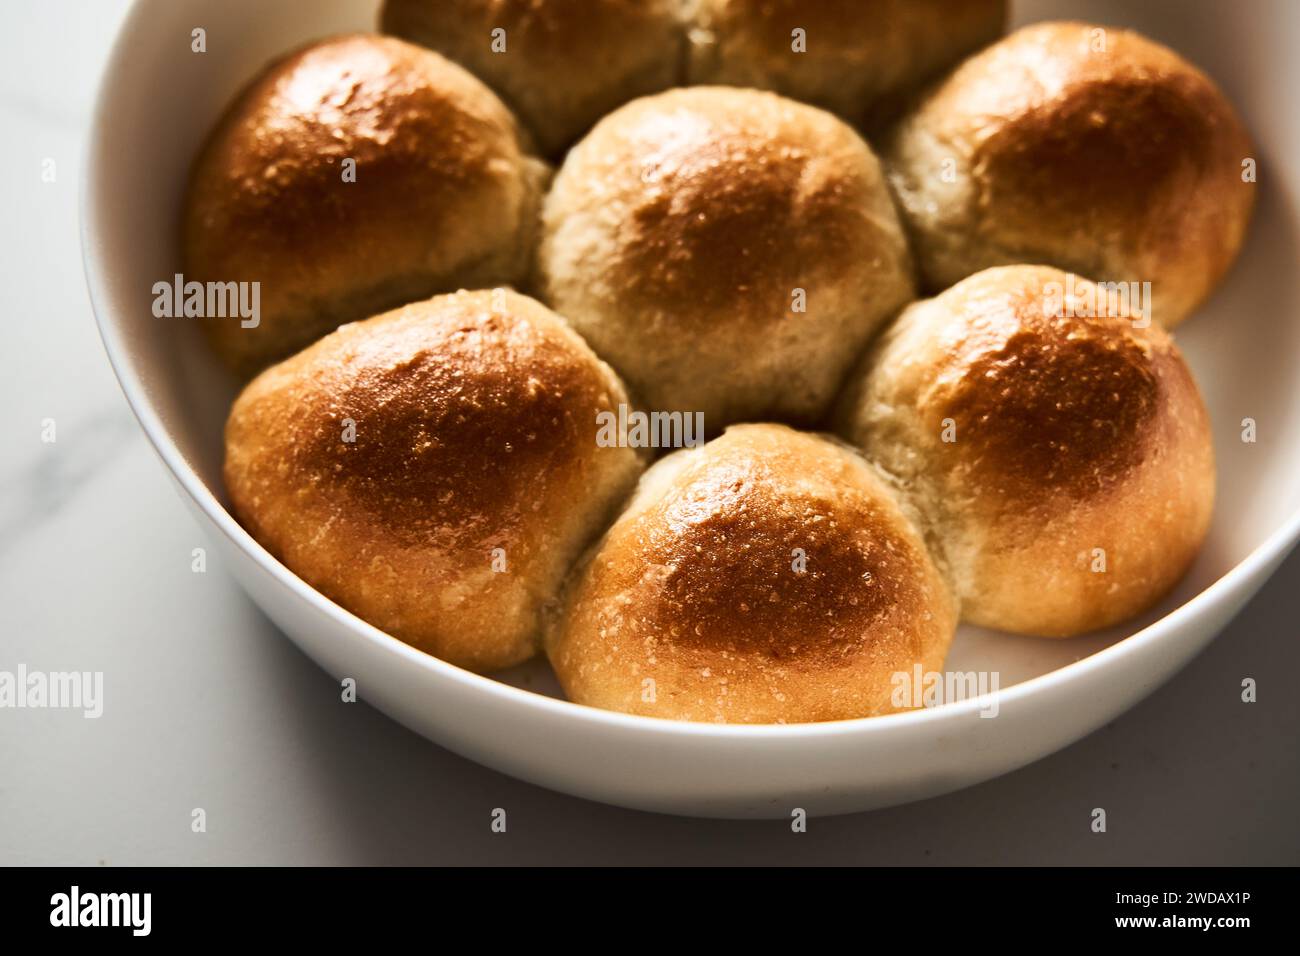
(1091, 149)
(851, 54)
(768, 577)
(434, 470)
(444, 193)
(562, 64)
(1063, 461)
(728, 251)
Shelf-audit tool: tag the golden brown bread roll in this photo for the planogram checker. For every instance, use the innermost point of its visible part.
(728, 251)
(434, 470)
(854, 53)
(1064, 463)
(768, 577)
(445, 195)
(562, 64)
(1091, 149)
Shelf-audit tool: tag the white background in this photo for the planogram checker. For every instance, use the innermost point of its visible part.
(206, 705)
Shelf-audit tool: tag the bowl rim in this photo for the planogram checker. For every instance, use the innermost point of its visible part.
(1221, 591)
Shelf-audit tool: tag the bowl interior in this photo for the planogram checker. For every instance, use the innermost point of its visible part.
(164, 98)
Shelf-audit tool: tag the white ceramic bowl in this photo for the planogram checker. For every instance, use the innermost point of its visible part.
(157, 101)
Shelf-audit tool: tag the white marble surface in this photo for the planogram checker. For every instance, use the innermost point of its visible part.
(207, 706)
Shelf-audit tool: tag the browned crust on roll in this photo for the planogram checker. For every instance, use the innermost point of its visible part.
(718, 229)
(474, 429)
(566, 62)
(695, 588)
(444, 196)
(1120, 164)
(859, 54)
(1068, 435)
(680, 228)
